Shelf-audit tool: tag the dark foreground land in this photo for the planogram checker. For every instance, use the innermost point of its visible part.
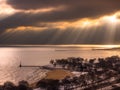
(94, 74)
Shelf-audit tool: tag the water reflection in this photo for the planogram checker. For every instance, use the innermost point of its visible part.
(10, 59)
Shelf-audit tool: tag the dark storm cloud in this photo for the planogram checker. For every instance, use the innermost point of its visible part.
(35, 4)
(21, 19)
(32, 19)
(72, 8)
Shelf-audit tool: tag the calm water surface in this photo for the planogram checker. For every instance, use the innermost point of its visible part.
(10, 58)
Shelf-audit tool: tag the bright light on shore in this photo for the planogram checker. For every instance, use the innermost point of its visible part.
(111, 46)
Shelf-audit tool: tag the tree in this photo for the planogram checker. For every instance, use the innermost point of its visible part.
(9, 86)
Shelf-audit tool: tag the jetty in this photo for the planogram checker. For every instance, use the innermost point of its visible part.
(41, 67)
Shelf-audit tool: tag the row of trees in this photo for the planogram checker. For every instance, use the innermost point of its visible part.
(96, 73)
(80, 64)
(23, 85)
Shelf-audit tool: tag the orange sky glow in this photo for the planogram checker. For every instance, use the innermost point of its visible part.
(80, 23)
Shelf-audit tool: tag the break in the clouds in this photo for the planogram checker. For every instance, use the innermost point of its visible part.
(101, 17)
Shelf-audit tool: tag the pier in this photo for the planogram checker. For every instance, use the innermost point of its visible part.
(41, 67)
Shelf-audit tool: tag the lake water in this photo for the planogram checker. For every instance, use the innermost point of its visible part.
(10, 58)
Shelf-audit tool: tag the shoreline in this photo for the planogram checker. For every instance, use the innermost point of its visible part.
(81, 74)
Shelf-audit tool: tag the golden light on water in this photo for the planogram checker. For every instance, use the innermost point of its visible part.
(6, 52)
(111, 46)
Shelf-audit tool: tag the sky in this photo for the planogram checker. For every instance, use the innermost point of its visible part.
(59, 22)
